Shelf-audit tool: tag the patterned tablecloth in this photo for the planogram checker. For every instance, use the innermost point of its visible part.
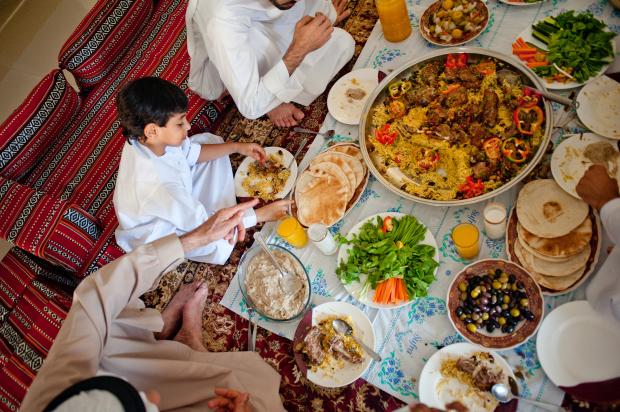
(408, 336)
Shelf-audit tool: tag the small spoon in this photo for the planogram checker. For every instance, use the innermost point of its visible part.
(328, 134)
(555, 97)
(503, 394)
(344, 328)
(287, 282)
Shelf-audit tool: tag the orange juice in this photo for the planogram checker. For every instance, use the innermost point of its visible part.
(394, 19)
(291, 230)
(465, 237)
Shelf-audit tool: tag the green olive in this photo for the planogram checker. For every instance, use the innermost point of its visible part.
(475, 293)
(514, 287)
(447, 4)
(506, 299)
(501, 321)
(485, 316)
(524, 302)
(497, 284)
(475, 316)
(505, 306)
(515, 313)
(472, 328)
(463, 286)
(463, 316)
(463, 296)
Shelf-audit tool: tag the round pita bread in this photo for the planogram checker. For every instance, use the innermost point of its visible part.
(321, 195)
(349, 164)
(547, 211)
(548, 268)
(350, 150)
(555, 283)
(560, 247)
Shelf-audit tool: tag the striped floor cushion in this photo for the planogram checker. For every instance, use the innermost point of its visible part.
(36, 124)
(102, 39)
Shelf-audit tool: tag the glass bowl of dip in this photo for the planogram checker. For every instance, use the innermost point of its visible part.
(259, 283)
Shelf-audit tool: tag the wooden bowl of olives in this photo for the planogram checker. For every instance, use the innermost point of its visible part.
(495, 303)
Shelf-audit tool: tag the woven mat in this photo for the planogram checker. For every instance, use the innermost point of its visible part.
(223, 330)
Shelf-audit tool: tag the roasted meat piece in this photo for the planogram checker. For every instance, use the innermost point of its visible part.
(490, 103)
(313, 347)
(337, 346)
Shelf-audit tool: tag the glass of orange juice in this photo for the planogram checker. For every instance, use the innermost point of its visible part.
(394, 19)
(291, 230)
(466, 239)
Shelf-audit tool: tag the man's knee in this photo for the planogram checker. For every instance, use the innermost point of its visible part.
(345, 42)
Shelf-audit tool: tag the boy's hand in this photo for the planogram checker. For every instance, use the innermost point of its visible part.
(273, 211)
(253, 150)
(342, 10)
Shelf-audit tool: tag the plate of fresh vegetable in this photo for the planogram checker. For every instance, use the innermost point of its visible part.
(567, 50)
(387, 260)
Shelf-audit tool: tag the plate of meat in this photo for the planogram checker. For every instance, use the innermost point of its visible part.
(326, 357)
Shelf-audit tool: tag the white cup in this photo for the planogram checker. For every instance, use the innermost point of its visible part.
(322, 239)
(495, 220)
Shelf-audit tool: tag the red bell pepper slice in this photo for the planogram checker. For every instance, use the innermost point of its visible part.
(516, 150)
(385, 136)
(453, 61)
(471, 188)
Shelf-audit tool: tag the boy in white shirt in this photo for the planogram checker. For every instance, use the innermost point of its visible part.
(168, 183)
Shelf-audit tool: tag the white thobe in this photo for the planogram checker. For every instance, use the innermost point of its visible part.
(109, 330)
(603, 292)
(238, 45)
(159, 195)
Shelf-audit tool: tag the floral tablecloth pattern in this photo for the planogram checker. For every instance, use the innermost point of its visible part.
(408, 336)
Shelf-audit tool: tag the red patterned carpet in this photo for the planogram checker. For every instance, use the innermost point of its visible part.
(224, 330)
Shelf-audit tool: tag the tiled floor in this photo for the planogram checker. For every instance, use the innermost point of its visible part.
(31, 34)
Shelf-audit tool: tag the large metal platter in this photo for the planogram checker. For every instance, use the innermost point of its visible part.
(380, 93)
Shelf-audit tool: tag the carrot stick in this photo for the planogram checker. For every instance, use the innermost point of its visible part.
(533, 64)
(379, 292)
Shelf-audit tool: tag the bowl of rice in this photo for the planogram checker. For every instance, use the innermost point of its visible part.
(455, 127)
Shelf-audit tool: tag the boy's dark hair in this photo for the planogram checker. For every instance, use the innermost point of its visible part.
(148, 100)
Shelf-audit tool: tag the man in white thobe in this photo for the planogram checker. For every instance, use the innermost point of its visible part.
(109, 331)
(601, 192)
(266, 53)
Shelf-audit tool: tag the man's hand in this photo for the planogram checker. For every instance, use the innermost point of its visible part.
(229, 400)
(253, 150)
(596, 187)
(310, 34)
(342, 10)
(221, 225)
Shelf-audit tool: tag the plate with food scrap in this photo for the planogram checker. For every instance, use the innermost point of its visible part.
(577, 153)
(454, 22)
(348, 95)
(464, 372)
(344, 360)
(271, 180)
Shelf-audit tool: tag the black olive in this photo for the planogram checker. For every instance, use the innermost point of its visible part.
(490, 327)
(498, 272)
(467, 311)
(459, 311)
(510, 329)
(512, 278)
(528, 315)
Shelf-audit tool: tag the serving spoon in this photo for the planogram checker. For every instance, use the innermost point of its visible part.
(344, 328)
(288, 283)
(503, 394)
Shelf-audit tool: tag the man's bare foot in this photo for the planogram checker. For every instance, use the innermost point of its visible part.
(173, 311)
(286, 115)
(191, 329)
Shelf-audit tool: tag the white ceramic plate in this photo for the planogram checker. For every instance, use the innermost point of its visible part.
(526, 35)
(521, 3)
(362, 329)
(355, 288)
(425, 32)
(599, 107)
(429, 392)
(568, 165)
(242, 172)
(577, 345)
(345, 109)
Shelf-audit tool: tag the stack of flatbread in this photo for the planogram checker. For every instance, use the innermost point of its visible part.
(330, 185)
(554, 232)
